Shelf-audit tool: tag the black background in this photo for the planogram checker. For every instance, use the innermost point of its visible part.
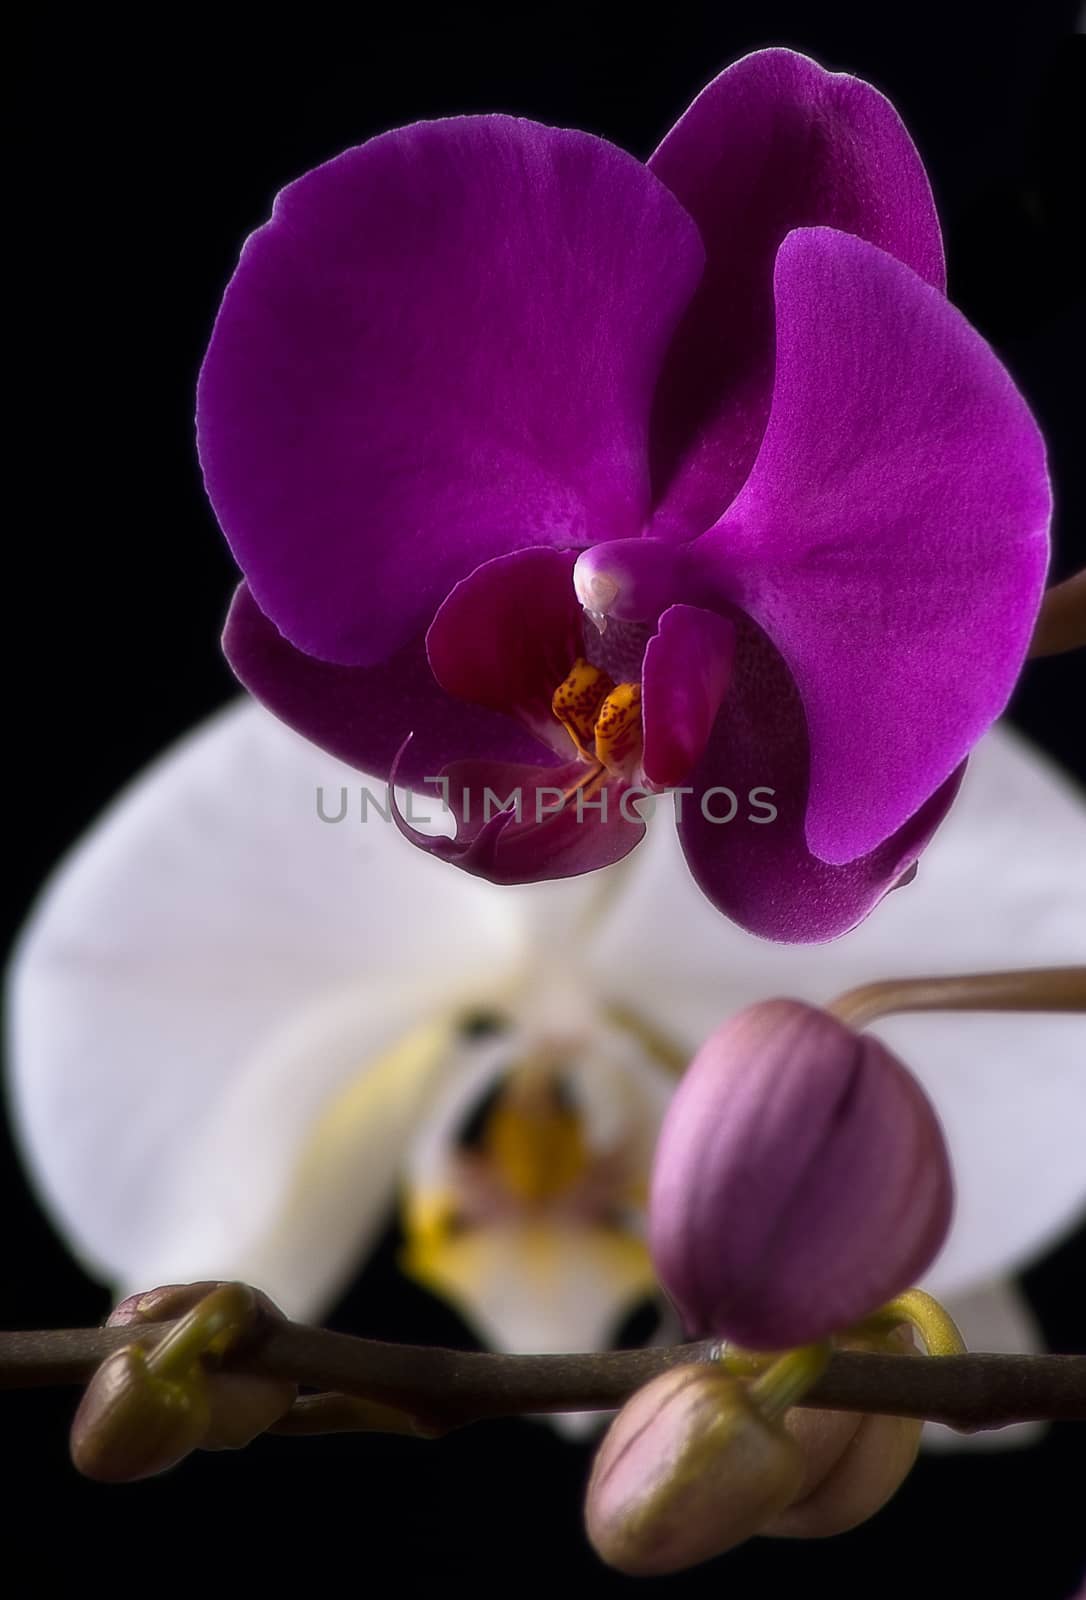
(147, 152)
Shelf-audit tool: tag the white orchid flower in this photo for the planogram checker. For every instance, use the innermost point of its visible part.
(241, 1032)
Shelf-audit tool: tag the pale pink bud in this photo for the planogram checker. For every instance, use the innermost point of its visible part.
(871, 1469)
(689, 1468)
(801, 1180)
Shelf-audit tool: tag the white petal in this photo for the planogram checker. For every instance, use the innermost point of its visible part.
(206, 970)
(287, 1183)
(579, 1427)
(996, 1319)
(1002, 885)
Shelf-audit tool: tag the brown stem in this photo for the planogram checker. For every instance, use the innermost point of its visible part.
(442, 1389)
(1061, 624)
(1045, 989)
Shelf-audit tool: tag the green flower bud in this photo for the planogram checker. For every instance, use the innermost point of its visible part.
(241, 1406)
(131, 1423)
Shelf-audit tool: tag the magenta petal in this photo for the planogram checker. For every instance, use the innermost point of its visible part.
(892, 537)
(442, 347)
(688, 663)
(363, 714)
(774, 143)
(505, 848)
(756, 867)
(508, 635)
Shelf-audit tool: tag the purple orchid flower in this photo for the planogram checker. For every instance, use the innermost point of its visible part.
(571, 478)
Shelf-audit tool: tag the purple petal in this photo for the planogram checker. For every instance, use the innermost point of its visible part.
(362, 715)
(569, 839)
(892, 537)
(688, 663)
(774, 143)
(508, 635)
(757, 868)
(801, 1180)
(442, 347)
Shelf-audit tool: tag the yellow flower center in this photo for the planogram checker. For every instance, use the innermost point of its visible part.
(534, 1141)
(602, 718)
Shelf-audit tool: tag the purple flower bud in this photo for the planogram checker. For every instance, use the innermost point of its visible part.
(801, 1180)
(688, 1469)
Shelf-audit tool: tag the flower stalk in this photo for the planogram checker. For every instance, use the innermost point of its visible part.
(786, 1380)
(936, 1327)
(444, 1389)
(1045, 989)
(1061, 624)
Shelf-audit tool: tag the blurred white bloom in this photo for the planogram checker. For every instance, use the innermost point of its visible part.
(241, 1033)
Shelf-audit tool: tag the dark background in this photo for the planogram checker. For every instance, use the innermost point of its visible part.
(148, 152)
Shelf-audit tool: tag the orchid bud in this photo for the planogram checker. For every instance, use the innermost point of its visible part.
(855, 1463)
(801, 1180)
(868, 1471)
(240, 1406)
(689, 1468)
(132, 1423)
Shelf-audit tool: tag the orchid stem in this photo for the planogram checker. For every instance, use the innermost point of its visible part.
(784, 1383)
(1061, 623)
(1045, 989)
(344, 1413)
(931, 1321)
(409, 1388)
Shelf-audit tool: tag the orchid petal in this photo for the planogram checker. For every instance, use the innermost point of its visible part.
(1004, 881)
(211, 968)
(521, 825)
(362, 715)
(288, 1183)
(508, 635)
(774, 143)
(742, 816)
(894, 527)
(688, 664)
(532, 1289)
(443, 346)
